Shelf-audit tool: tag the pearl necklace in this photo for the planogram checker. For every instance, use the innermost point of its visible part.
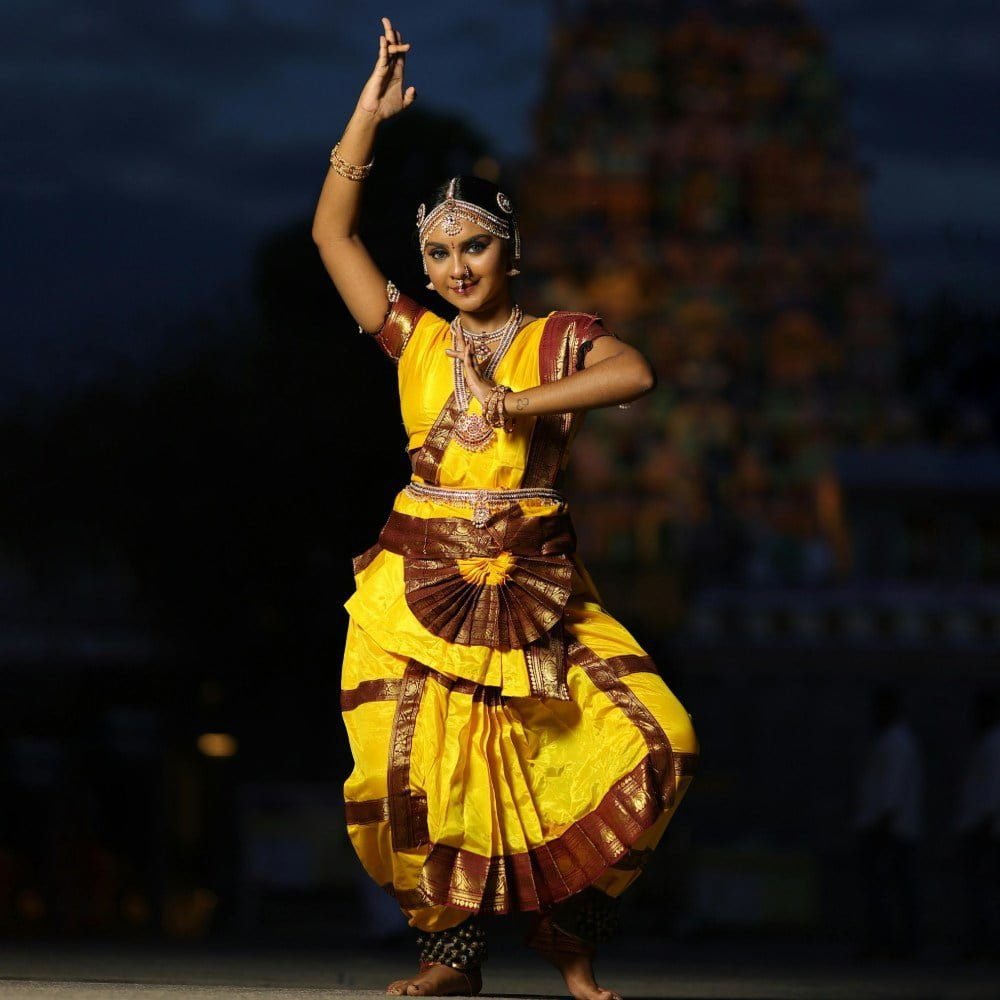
(472, 431)
(483, 343)
(482, 350)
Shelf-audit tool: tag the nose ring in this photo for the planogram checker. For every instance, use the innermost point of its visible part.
(468, 271)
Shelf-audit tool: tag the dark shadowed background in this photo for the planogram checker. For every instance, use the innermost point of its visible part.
(794, 209)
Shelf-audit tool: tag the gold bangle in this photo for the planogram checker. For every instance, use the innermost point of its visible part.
(352, 171)
(493, 411)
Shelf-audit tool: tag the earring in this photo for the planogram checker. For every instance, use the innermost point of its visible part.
(513, 272)
(429, 286)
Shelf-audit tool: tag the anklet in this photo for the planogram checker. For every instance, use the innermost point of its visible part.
(462, 947)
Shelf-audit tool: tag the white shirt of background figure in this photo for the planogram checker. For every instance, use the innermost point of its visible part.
(980, 797)
(893, 784)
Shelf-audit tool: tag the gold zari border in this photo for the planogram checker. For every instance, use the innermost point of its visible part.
(398, 327)
(386, 689)
(404, 813)
(539, 878)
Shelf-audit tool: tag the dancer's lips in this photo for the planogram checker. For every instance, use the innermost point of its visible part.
(464, 287)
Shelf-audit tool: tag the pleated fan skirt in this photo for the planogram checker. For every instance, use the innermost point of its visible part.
(464, 800)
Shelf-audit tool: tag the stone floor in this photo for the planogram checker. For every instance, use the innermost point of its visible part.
(81, 973)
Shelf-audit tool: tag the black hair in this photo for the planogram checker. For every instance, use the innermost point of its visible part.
(468, 187)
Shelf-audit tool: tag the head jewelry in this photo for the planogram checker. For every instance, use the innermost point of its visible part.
(448, 213)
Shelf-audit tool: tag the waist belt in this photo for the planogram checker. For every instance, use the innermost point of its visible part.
(482, 502)
(507, 530)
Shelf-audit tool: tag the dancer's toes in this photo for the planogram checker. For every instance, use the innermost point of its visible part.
(591, 991)
(398, 987)
(578, 972)
(436, 981)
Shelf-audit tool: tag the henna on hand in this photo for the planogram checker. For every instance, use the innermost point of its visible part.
(522, 403)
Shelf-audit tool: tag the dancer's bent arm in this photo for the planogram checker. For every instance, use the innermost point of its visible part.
(359, 281)
(613, 372)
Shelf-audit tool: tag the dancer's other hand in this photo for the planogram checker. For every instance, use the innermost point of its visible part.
(478, 386)
(384, 94)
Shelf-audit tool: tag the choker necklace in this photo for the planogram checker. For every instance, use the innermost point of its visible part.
(483, 341)
(471, 429)
(482, 350)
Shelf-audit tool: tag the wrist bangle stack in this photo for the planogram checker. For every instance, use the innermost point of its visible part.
(352, 171)
(493, 408)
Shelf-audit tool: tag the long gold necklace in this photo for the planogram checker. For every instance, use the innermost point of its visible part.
(472, 431)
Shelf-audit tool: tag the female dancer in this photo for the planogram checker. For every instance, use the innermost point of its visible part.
(514, 747)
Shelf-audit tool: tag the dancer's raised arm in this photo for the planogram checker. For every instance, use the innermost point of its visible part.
(360, 283)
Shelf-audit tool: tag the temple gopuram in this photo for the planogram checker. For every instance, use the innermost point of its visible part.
(694, 182)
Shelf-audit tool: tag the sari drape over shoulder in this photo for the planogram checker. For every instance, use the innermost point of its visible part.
(513, 744)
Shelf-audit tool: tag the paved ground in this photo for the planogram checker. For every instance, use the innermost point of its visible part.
(78, 973)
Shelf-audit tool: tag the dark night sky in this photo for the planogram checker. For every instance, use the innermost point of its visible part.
(147, 147)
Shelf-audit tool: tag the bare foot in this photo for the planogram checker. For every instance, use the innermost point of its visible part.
(436, 981)
(578, 971)
(397, 986)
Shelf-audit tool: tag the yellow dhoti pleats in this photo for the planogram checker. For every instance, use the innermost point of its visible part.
(463, 799)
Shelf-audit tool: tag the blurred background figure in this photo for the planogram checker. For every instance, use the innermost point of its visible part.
(889, 822)
(977, 824)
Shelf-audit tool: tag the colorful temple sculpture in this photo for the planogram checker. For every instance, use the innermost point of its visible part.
(694, 182)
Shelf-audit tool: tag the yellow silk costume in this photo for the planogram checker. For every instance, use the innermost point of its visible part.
(513, 744)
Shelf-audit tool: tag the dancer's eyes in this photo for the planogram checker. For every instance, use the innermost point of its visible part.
(473, 246)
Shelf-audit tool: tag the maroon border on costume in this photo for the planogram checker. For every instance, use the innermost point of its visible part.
(403, 817)
(539, 878)
(383, 689)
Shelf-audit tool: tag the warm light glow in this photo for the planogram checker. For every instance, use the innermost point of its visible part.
(135, 908)
(30, 905)
(217, 744)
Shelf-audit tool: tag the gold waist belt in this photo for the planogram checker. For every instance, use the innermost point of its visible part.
(509, 531)
(482, 502)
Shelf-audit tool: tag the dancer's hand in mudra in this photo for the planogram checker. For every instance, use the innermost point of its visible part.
(478, 386)
(384, 94)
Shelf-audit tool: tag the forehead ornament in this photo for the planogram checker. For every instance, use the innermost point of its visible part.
(450, 213)
(450, 224)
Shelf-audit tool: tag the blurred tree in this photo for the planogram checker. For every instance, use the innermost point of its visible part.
(238, 486)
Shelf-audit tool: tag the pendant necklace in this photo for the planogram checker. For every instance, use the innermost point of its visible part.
(483, 343)
(481, 350)
(471, 429)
